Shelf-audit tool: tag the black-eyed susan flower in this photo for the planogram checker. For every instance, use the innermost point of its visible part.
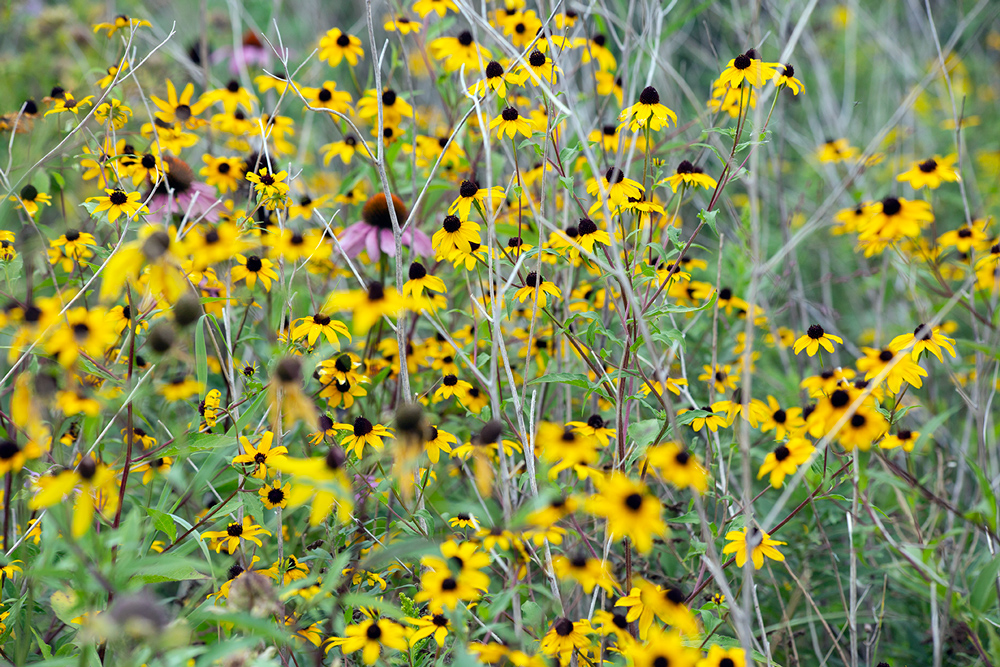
(234, 534)
(459, 52)
(420, 280)
(82, 331)
(252, 268)
(120, 22)
(814, 338)
(320, 481)
(372, 637)
(708, 419)
(594, 426)
(274, 495)
(747, 67)
(631, 511)
(455, 234)
(833, 151)
(437, 441)
(434, 625)
(924, 337)
(931, 173)
(402, 24)
(223, 173)
(647, 600)
(69, 103)
(394, 107)
(965, 239)
(260, 455)
(722, 376)
(565, 637)
(71, 248)
(344, 149)
(784, 76)
(180, 388)
(754, 543)
(96, 488)
(785, 460)
(497, 79)
(370, 305)
(724, 657)
(648, 111)
(510, 122)
(336, 46)
(470, 194)
(678, 466)
(904, 370)
(775, 418)
(588, 572)
(328, 97)
(539, 69)
(904, 438)
(451, 386)
(30, 198)
(363, 433)
(119, 203)
(609, 84)
(13, 456)
(538, 290)
(158, 465)
(271, 189)
(894, 219)
(863, 428)
(320, 324)
(231, 97)
(619, 188)
(463, 520)
(114, 114)
(180, 109)
(689, 174)
(439, 7)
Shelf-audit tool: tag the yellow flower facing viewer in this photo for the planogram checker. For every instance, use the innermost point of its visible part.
(755, 542)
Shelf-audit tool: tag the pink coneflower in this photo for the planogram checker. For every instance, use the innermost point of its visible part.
(191, 198)
(250, 53)
(374, 231)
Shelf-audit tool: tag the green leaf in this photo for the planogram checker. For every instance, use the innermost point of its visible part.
(573, 379)
(163, 522)
(708, 217)
(201, 357)
(985, 589)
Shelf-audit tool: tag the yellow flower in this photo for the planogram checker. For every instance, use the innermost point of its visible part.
(904, 438)
(98, 489)
(439, 7)
(117, 202)
(632, 512)
(336, 46)
(68, 103)
(429, 626)
(363, 433)
(647, 600)
(721, 657)
(403, 25)
(537, 288)
(647, 112)
(931, 172)
(785, 460)
(120, 23)
(747, 67)
(113, 113)
(271, 188)
(13, 456)
(755, 541)
(566, 637)
(234, 534)
(813, 339)
(251, 268)
(231, 97)
(835, 150)
(370, 637)
(689, 174)
(785, 76)
(924, 337)
(678, 466)
(261, 455)
(321, 481)
(179, 110)
(29, 198)
(510, 122)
